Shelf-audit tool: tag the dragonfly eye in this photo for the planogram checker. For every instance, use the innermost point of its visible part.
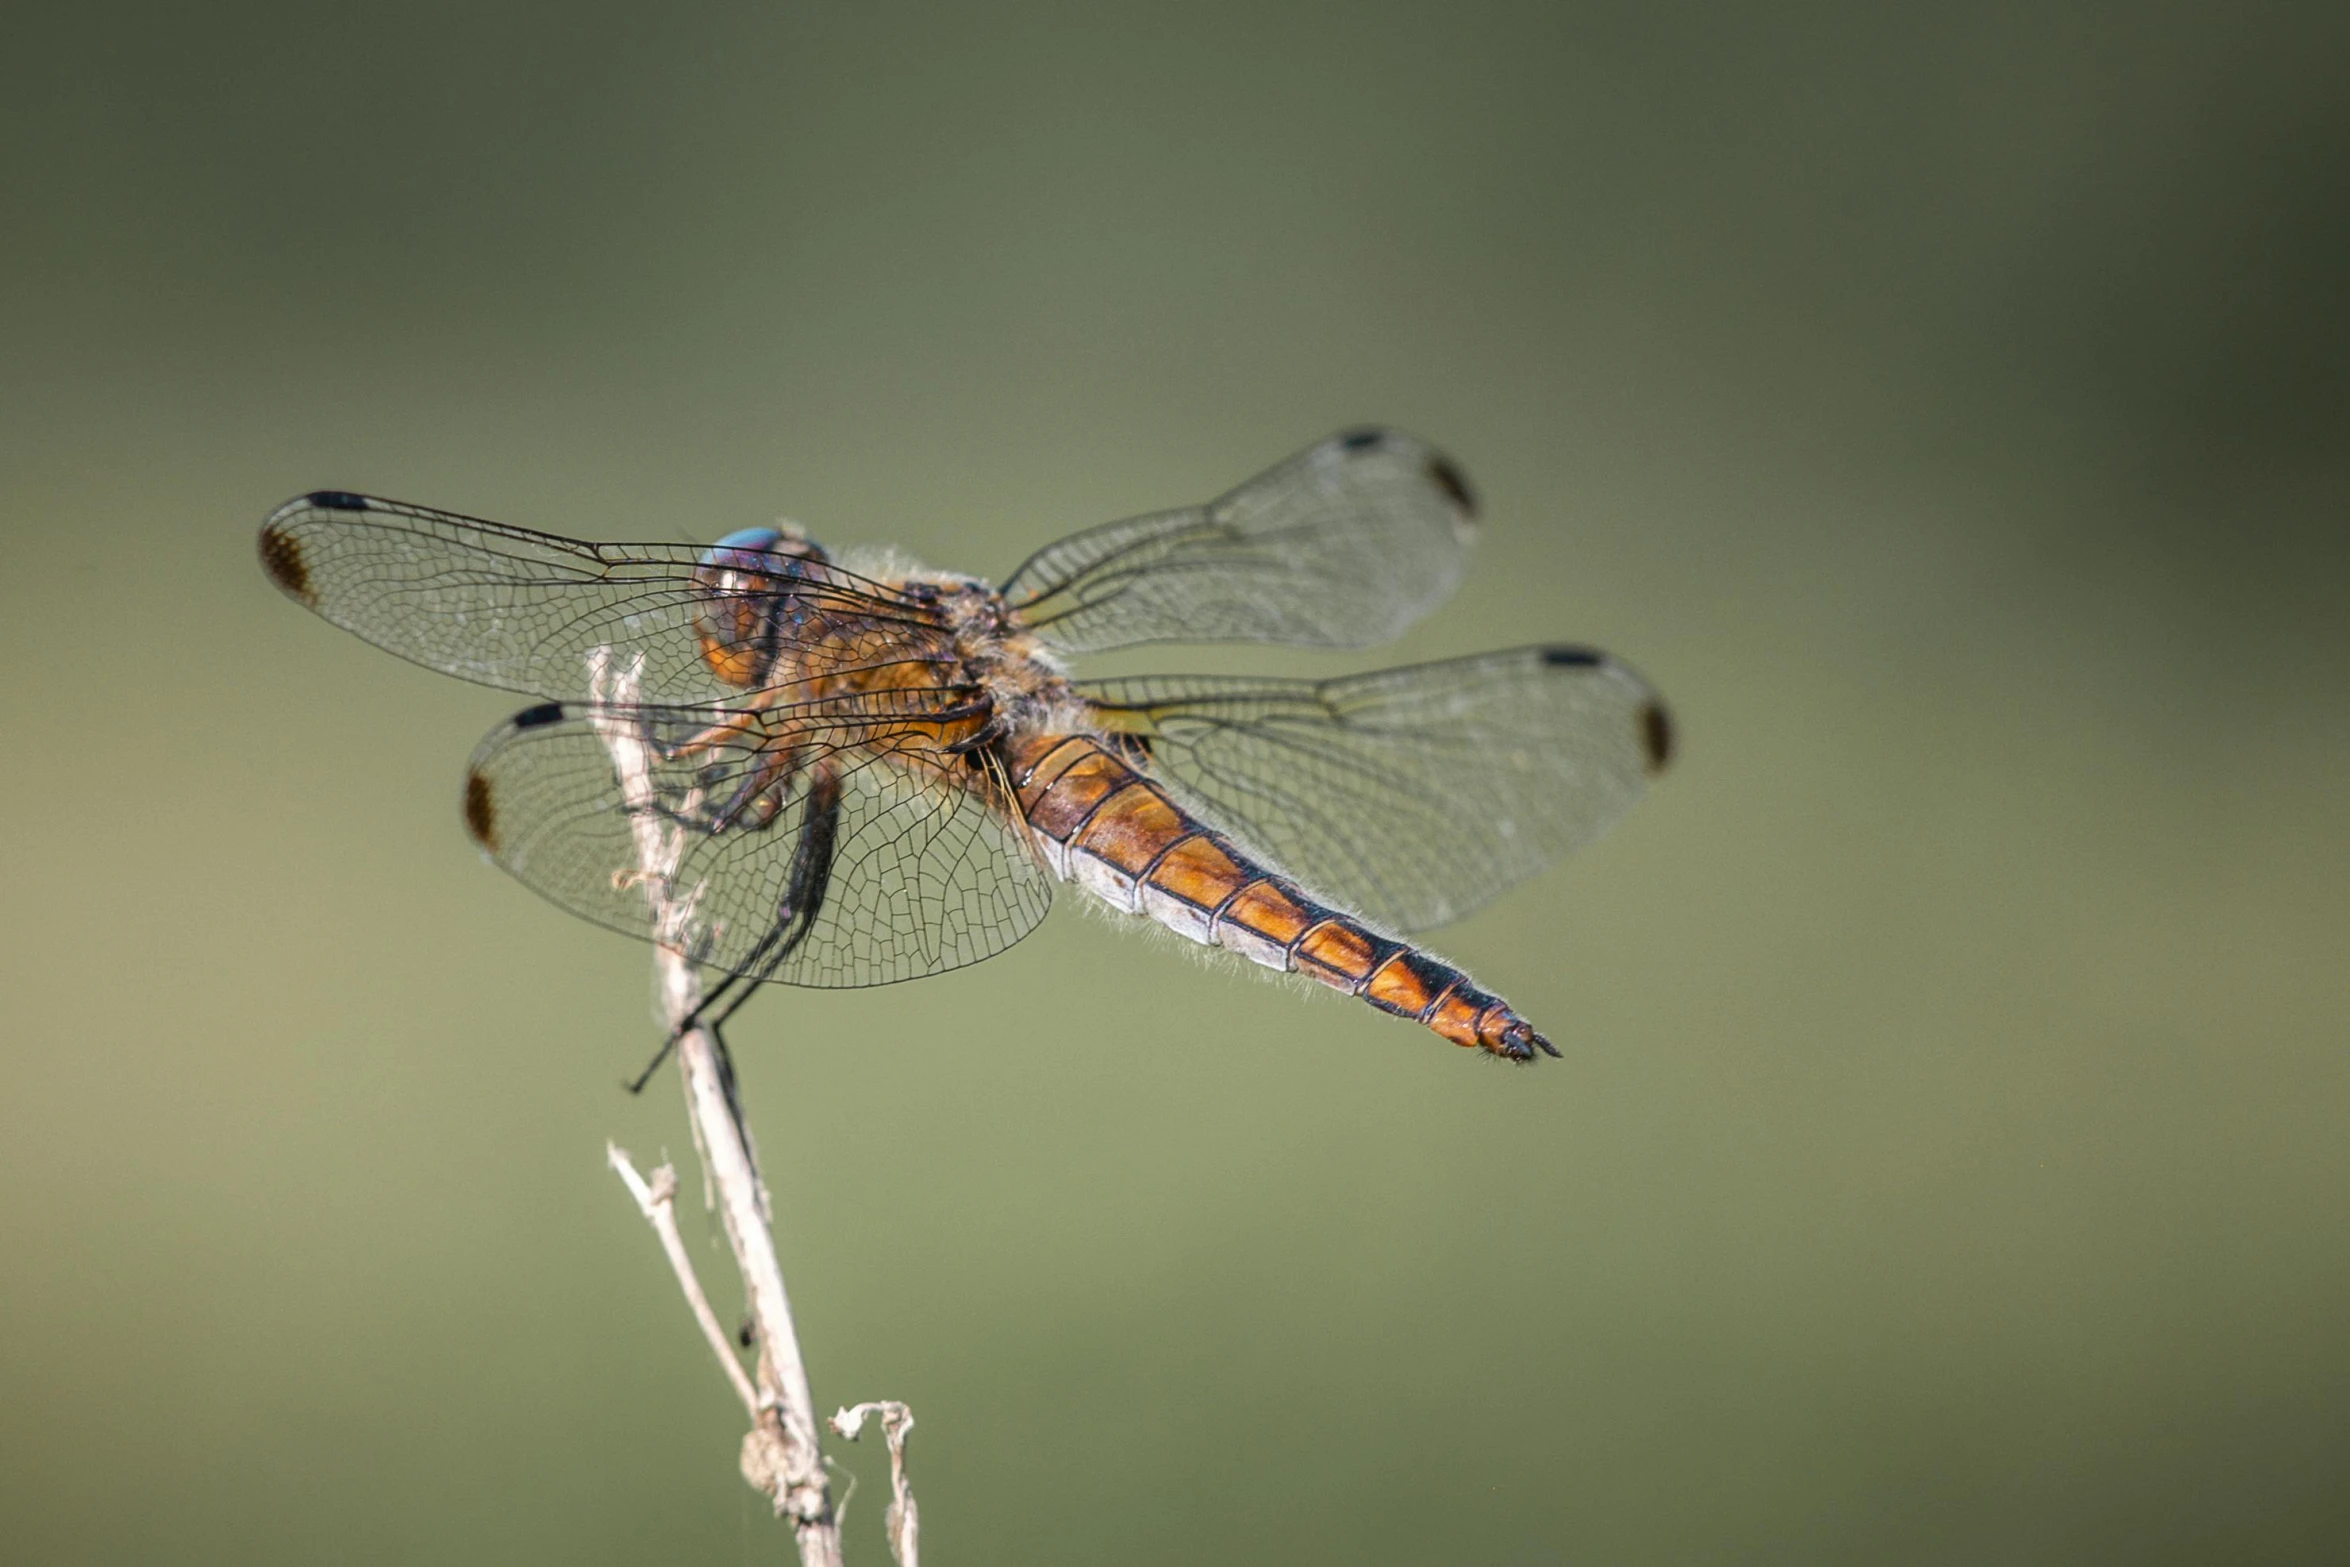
(764, 551)
(742, 586)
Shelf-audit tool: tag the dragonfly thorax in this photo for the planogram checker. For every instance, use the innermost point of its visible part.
(1025, 686)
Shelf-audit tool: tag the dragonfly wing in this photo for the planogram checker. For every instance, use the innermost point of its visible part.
(1343, 545)
(923, 866)
(1413, 795)
(508, 607)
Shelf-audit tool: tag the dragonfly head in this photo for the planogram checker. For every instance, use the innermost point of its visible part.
(744, 582)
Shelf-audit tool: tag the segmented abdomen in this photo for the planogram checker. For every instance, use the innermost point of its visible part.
(1115, 833)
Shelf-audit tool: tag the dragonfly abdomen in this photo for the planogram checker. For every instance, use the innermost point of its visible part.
(1115, 833)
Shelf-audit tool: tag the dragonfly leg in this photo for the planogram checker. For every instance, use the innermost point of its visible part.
(715, 1028)
(636, 1084)
(734, 1099)
(697, 1018)
(736, 744)
(796, 911)
(758, 800)
(729, 729)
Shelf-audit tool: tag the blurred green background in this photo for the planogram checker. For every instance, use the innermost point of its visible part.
(1945, 406)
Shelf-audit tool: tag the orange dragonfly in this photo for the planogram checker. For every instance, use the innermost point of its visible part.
(878, 772)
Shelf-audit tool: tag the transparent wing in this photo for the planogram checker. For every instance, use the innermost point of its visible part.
(1412, 795)
(1343, 545)
(838, 845)
(521, 610)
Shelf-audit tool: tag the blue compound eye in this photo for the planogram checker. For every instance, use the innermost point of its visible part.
(761, 550)
(747, 539)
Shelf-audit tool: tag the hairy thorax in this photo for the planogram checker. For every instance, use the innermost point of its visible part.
(1020, 684)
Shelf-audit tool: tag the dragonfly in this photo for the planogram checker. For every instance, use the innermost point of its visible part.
(875, 772)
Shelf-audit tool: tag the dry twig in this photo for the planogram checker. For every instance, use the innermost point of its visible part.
(657, 1200)
(780, 1455)
(902, 1522)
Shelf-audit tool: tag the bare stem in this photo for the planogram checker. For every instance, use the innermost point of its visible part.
(780, 1454)
(657, 1200)
(903, 1523)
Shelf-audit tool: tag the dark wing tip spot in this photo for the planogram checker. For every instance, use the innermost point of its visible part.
(281, 558)
(1656, 733)
(1363, 440)
(1573, 657)
(337, 500)
(540, 716)
(1455, 485)
(481, 816)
